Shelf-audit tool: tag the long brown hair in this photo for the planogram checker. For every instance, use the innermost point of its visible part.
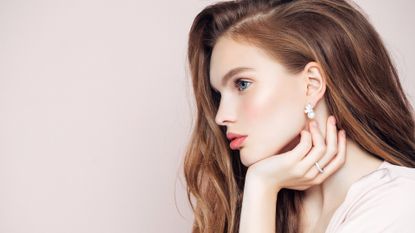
(363, 93)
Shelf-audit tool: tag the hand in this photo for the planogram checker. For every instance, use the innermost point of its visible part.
(295, 169)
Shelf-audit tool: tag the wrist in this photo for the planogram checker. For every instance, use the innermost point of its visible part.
(258, 211)
(258, 184)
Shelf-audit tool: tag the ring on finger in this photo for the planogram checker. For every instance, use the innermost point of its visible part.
(321, 170)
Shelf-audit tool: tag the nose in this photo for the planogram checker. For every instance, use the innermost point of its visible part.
(225, 115)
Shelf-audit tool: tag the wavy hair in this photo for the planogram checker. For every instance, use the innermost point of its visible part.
(363, 93)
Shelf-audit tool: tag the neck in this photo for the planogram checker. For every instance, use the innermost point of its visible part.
(332, 192)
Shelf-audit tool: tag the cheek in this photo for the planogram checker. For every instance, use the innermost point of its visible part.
(267, 107)
(275, 120)
(257, 107)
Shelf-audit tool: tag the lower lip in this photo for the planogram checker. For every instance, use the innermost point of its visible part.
(236, 143)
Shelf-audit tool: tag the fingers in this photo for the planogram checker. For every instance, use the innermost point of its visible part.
(334, 157)
(318, 150)
(338, 160)
(331, 142)
(309, 141)
(303, 146)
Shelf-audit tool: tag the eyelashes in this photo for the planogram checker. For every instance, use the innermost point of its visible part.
(240, 84)
(239, 81)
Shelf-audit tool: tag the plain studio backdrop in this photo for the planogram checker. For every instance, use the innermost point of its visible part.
(96, 109)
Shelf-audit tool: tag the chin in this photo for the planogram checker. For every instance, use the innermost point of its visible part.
(248, 158)
(245, 158)
(246, 163)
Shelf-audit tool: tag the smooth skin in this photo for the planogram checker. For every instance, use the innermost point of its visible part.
(267, 104)
(294, 169)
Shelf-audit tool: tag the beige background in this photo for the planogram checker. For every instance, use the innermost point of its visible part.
(95, 111)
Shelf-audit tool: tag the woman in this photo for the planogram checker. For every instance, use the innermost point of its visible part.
(262, 73)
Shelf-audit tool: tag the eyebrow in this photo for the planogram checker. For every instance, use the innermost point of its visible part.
(230, 74)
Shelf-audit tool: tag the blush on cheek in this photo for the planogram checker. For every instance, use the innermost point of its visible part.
(251, 111)
(258, 108)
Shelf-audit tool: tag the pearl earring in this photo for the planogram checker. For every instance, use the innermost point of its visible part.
(309, 110)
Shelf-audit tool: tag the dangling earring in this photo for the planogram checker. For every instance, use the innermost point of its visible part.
(309, 110)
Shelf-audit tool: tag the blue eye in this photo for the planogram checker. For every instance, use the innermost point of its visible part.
(243, 82)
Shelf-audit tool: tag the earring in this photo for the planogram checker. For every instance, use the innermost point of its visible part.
(309, 110)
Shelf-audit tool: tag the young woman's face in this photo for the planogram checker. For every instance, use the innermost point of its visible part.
(264, 101)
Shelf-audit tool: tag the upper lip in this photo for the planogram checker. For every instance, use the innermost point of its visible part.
(232, 136)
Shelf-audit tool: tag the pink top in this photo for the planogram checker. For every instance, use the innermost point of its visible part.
(381, 201)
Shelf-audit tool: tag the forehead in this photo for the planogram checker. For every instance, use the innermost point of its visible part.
(228, 54)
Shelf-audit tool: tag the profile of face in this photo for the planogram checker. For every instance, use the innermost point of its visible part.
(259, 98)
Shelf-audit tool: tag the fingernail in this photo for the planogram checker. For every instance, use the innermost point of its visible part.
(343, 133)
(314, 124)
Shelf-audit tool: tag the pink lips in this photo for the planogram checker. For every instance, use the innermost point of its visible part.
(236, 140)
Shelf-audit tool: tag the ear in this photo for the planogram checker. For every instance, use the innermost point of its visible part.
(315, 82)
